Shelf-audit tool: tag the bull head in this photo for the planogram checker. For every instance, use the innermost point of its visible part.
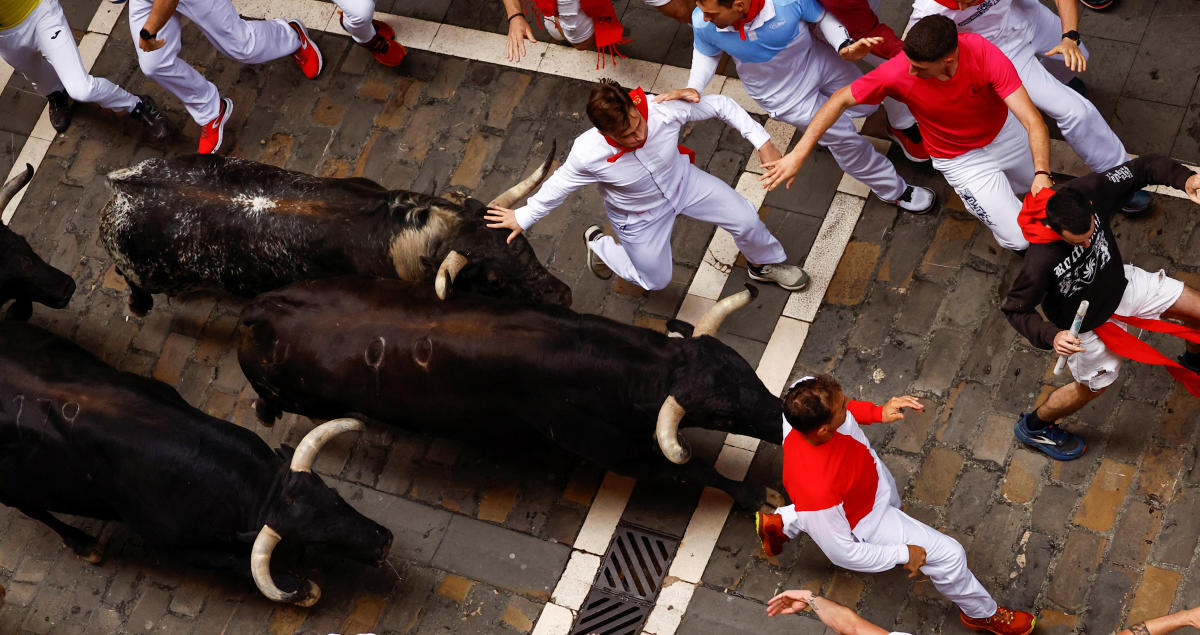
(268, 538)
(673, 446)
(447, 272)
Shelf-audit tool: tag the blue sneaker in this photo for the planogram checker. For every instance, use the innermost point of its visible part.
(1052, 440)
(1136, 203)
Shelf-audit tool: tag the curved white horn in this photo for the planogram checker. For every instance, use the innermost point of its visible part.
(522, 189)
(260, 568)
(306, 452)
(447, 272)
(667, 432)
(712, 319)
(14, 185)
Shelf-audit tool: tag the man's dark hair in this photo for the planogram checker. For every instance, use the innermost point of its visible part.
(932, 38)
(807, 405)
(608, 106)
(1069, 210)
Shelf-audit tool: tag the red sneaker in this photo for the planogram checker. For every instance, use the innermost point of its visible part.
(770, 533)
(383, 46)
(308, 56)
(913, 149)
(213, 132)
(1004, 622)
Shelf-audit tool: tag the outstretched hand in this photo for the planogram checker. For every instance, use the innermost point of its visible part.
(504, 218)
(860, 48)
(518, 33)
(686, 94)
(1072, 56)
(892, 409)
(788, 602)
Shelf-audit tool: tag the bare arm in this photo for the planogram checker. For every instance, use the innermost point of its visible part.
(1068, 12)
(160, 12)
(785, 169)
(1166, 624)
(840, 618)
(518, 30)
(1039, 138)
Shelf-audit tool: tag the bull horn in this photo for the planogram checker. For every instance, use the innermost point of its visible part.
(260, 568)
(667, 432)
(712, 319)
(447, 272)
(522, 189)
(312, 442)
(14, 185)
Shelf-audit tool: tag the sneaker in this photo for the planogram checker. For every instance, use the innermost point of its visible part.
(1052, 440)
(1078, 86)
(60, 110)
(789, 277)
(770, 533)
(1097, 5)
(1004, 622)
(213, 132)
(308, 56)
(384, 47)
(910, 143)
(599, 269)
(1182, 359)
(146, 112)
(915, 200)
(1136, 203)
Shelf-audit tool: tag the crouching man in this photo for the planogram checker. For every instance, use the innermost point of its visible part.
(647, 179)
(846, 500)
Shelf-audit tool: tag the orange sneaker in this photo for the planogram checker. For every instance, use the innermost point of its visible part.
(383, 46)
(770, 533)
(308, 56)
(1003, 622)
(213, 132)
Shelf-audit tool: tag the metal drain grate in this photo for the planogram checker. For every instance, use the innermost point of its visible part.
(629, 579)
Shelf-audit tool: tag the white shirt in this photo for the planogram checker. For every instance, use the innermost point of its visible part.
(644, 179)
(1009, 24)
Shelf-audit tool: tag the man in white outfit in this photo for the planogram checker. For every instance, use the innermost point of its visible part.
(846, 500)
(36, 40)
(791, 76)
(376, 36)
(647, 179)
(156, 31)
(1047, 52)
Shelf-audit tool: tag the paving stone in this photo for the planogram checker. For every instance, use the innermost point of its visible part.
(1051, 510)
(941, 361)
(948, 246)
(1153, 596)
(849, 283)
(1024, 475)
(972, 497)
(501, 557)
(913, 431)
(1108, 596)
(937, 476)
(959, 418)
(1032, 560)
(1180, 530)
(714, 612)
(997, 539)
(961, 306)
(1099, 506)
(1079, 559)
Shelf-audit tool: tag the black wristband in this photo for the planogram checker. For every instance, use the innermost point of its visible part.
(1044, 172)
(848, 42)
(146, 35)
(515, 15)
(1072, 34)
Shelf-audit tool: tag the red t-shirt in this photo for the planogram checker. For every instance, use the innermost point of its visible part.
(957, 116)
(840, 470)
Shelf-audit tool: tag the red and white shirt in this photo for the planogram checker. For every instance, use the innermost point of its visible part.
(955, 116)
(840, 490)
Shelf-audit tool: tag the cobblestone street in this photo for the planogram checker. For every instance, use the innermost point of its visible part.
(491, 542)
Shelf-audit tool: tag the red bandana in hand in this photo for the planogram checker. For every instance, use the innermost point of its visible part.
(639, 101)
(751, 13)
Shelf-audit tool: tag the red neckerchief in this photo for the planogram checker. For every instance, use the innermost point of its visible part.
(751, 13)
(639, 101)
(1115, 338)
(609, 32)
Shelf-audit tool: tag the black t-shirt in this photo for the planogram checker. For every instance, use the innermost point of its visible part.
(1058, 275)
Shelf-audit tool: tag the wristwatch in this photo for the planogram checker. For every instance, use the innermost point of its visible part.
(1073, 34)
(848, 42)
(146, 35)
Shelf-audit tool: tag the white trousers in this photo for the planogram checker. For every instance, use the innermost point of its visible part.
(1081, 124)
(945, 559)
(852, 151)
(42, 48)
(246, 41)
(356, 19)
(988, 178)
(643, 256)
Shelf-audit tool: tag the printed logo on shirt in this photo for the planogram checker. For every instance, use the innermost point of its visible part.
(1080, 267)
(973, 206)
(974, 90)
(983, 8)
(1116, 175)
(55, 34)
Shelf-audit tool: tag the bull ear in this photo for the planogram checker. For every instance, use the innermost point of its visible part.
(679, 328)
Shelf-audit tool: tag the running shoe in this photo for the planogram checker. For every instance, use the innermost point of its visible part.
(1052, 440)
(308, 56)
(1003, 621)
(770, 533)
(213, 132)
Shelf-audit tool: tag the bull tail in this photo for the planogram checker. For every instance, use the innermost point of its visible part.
(527, 186)
(14, 185)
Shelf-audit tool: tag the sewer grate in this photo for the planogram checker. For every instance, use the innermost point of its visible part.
(629, 579)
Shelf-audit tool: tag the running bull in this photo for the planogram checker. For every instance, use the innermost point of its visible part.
(79, 437)
(186, 222)
(479, 368)
(24, 277)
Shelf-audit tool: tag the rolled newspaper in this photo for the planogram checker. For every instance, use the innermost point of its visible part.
(1074, 332)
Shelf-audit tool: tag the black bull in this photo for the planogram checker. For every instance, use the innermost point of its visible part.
(194, 221)
(480, 368)
(79, 437)
(24, 277)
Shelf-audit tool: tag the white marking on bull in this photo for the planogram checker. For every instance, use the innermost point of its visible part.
(375, 360)
(70, 418)
(411, 244)
(254, 204)
(422, 352)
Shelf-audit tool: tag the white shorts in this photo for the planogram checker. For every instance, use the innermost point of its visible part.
(575, 25)
(1148, 295)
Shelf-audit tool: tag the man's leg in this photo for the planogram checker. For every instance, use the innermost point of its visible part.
(19, 48)
(1187, 310)
(56, 43)
(979, 180)
(643, 256)
(199, 96)
(246, 41)
(1066, 401)
(712, 200)
(356, 19)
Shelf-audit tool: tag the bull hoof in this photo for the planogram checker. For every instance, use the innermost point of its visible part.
(139, 308)
(92, 553)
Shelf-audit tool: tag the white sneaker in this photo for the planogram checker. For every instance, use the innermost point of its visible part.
(916, 200)
(597, 266)
(789, 277)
